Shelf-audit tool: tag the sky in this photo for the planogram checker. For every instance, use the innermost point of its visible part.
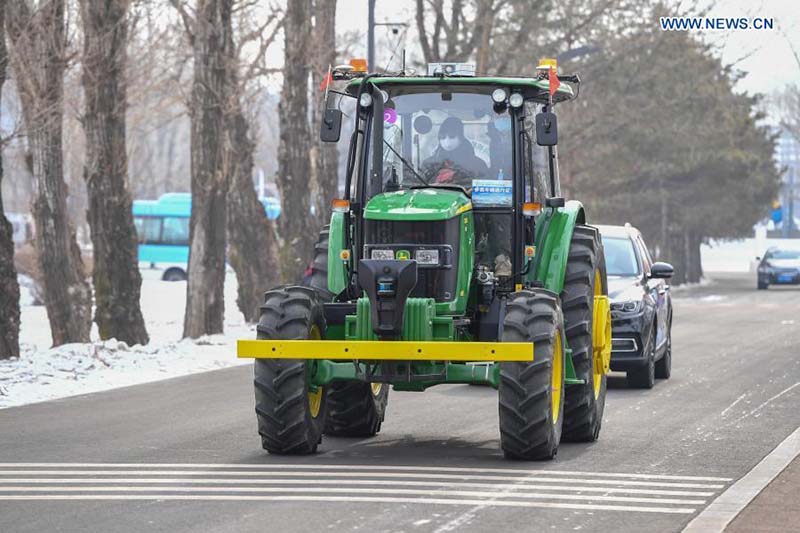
(765, 55)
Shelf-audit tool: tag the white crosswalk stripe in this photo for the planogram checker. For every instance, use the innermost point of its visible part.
(404, 484)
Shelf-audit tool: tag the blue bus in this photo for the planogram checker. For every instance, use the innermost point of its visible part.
(162, 229)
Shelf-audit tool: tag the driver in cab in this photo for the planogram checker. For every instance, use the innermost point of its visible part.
(454, 161)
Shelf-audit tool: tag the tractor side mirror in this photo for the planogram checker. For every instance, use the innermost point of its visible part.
(331, 127)
(546, 129)
(661, 270)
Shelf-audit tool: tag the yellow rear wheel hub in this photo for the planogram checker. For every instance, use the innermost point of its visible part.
(601, 335)
(557, 377)
(376, 389)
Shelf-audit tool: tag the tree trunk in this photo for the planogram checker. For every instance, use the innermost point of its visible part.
(695, 268)
(484, 22)
(297, 229)
(9, 288)
(38, 57)
(678, 255)
(252, 242)
(205, 303)
(326, 155)
(117, 282)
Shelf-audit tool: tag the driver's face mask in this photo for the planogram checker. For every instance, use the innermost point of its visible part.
(449, 143)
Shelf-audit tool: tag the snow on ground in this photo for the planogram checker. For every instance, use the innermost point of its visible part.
(44, 373)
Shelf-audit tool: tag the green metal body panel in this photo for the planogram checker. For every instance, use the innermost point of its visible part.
(531, 87)
(553, 236)
(337, 269)
(477, 374)
(420, 322)
(327, 371)
(417, 204)
(434, 205)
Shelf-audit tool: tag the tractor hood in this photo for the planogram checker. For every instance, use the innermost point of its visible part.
(417, 204)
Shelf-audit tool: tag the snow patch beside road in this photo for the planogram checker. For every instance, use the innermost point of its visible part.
(43, 373)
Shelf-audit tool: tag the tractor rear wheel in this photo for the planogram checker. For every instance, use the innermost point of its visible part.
(355, 408)
(319, 266)
(585, 278)
(532, 394)
(291, 414)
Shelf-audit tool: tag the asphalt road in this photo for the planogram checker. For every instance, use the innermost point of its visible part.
(173, 451)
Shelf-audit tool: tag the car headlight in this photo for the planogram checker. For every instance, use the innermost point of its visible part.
(427, 257)
(382, 255)
(631, 306)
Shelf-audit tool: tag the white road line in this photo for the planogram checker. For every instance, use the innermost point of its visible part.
(347, 499)
(360, 474)
(717, 516)
(363, 467)
(341, 482)
(328, 490)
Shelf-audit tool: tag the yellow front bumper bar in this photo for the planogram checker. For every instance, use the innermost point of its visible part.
(386, 350)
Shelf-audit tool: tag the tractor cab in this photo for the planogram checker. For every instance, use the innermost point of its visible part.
(441, 170)
(450, 258)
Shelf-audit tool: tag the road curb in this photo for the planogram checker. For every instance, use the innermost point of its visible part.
(717, 516)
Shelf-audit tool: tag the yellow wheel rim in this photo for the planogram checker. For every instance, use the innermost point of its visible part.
(315, 401)
(601, 324)
(557, 377)
(376, 389)
(315, 396)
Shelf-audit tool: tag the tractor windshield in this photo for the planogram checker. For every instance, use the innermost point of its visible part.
(439, 135)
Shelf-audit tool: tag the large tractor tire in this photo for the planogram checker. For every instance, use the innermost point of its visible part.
(585, 278)
(532, 394)
(319, 266)
(291, 415)
(355, 408)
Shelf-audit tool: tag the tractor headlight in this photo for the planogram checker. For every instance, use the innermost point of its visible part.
(427, 257)
(499, 96)
(516, 100)
(382, 255)
(365, 100)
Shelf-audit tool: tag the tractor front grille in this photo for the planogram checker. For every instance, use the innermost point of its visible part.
(437, 282)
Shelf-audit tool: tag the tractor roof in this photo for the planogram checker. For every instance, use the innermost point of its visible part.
(531, 87)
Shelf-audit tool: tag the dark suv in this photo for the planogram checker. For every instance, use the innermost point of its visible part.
(641, 307)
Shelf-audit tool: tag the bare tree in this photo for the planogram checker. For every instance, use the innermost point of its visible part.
(325, 156)
(297, 228)
(37, 44)
(209, 32)
(252, 243)
(9, 288)
(117, 282)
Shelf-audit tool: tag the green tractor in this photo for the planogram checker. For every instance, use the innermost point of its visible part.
(451, 258)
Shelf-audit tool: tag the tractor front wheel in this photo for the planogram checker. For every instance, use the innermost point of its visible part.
(532, 394)
(290, 412)
(355, 408)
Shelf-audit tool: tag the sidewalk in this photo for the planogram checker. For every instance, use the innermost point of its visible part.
(776, 508)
